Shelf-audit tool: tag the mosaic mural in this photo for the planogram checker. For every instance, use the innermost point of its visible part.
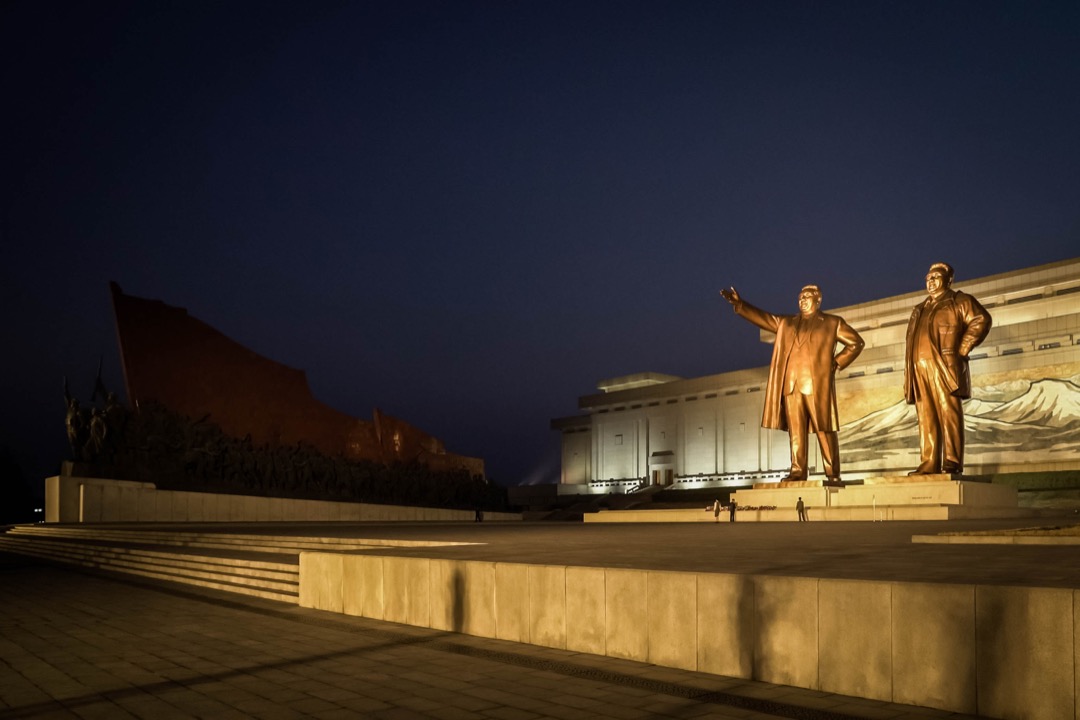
(1015, 420)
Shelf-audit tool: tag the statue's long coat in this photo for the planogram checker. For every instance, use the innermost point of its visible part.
(957, 324)
(814, 348)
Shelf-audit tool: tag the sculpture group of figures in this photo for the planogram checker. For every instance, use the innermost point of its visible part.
(93, 432)
(164, 447)
(800, 396)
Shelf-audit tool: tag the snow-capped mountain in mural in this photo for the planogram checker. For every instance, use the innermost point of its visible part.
(1053, 403)
(1044, 418)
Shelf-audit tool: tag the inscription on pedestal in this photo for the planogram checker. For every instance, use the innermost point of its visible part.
(934, 478)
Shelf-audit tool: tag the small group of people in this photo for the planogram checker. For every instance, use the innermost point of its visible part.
(731, 507)
(800, 396)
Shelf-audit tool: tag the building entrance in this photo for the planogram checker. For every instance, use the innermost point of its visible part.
(663, 477)
(662, 468)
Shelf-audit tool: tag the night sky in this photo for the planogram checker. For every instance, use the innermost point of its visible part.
(468, 213)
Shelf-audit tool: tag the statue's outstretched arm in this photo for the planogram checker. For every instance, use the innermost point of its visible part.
(764, 320)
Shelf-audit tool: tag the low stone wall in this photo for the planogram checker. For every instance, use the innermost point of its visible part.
(1005, 652)
(86, 500)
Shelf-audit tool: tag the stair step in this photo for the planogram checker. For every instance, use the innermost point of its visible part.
(250, 542)
(283, 574)
(283, 585)
(271, 580)
(234, 562)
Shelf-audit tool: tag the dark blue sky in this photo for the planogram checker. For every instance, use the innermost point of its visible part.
(467, 213)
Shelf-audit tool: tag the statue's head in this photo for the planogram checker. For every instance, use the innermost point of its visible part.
(809, 299)
(938, 279)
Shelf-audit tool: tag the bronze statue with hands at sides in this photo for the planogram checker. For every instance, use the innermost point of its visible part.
(801, 394)
(943, 330)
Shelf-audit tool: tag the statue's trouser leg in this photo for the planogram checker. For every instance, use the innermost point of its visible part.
(929, 423)
(830, 452)
(796, 413)
(952, 433)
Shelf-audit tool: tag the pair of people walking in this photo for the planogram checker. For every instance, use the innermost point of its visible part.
(716, 507)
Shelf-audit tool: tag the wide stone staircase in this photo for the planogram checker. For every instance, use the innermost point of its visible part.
(265, 566)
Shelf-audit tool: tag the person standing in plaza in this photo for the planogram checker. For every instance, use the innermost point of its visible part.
(802, 510)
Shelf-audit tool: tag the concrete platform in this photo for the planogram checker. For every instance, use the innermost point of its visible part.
(80, 646)
(829, 607)
(1000, 650)
(856, 550)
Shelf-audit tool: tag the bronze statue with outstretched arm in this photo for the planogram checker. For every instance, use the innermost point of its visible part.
(801, 395)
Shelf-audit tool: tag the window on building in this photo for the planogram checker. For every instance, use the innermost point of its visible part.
(618, 439)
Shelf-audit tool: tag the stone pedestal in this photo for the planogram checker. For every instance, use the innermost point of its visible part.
(890, 491)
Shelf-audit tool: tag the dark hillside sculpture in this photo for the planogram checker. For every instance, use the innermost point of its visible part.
(207, 414)
(177, 453)
(190, 368)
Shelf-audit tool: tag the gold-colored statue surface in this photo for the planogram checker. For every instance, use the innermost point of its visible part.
(943, 330)
(801, 394)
